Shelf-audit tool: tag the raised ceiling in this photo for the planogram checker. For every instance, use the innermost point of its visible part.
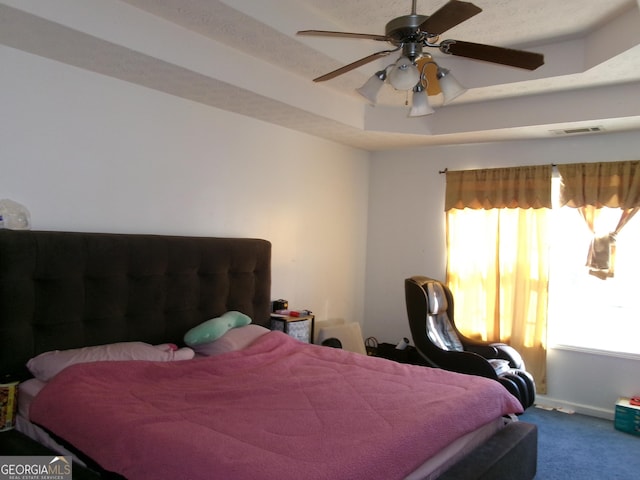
(243, 56)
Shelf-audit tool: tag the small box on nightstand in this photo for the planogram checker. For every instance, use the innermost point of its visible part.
(300, 328)
(627, 417)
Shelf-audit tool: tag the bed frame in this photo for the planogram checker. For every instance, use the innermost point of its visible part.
(61, 290)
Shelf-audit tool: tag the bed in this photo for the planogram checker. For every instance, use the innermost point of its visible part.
(273, 407)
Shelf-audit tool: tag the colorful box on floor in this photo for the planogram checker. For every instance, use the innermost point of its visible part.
(627, 417)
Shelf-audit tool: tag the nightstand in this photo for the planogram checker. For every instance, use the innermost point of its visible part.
(300, 328)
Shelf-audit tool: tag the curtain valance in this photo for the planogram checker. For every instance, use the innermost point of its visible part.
(602, 184)
(513, 187)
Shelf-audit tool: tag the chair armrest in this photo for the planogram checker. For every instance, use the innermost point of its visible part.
(486, 351)
(466, 362)
(507, 352)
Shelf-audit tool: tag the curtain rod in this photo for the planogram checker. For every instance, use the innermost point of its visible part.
(446, 169)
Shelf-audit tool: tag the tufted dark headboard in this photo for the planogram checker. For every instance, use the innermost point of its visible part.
(63, 290)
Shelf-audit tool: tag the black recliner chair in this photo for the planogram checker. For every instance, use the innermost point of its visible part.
(435, 336)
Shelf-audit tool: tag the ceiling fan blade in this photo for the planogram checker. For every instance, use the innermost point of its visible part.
(325, 33)
(448, 16)
(489, 53)
(351, 66)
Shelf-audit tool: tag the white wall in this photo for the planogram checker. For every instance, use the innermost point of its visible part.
(406, 237)
(85, 152)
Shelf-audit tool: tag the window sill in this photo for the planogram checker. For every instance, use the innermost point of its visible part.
(594, 351)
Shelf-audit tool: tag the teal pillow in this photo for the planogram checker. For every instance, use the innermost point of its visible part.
(215, 328)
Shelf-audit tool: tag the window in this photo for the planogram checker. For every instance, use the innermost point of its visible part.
(517, 262)
(585, 311)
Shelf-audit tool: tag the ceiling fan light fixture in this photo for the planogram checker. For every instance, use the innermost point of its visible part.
(450, 87)
(412, 34)
(420, 102)
(372, 86)
(404, 75)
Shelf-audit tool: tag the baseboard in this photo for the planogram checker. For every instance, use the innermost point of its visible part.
(563, 405)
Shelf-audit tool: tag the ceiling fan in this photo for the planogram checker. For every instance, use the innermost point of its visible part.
(410, 34)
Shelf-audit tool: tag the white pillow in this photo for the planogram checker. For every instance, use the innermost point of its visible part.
(235, 339)
(46, 365)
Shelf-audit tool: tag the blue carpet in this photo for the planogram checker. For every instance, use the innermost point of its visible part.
(582, 447)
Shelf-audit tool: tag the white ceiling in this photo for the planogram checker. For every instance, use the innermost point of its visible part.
(243, 56)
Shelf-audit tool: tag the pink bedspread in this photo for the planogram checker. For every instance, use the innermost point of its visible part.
(279, 410)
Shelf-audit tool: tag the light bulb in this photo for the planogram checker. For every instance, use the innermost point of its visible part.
(372, 87)
(404, 75)
(450, 87)
(420, 102)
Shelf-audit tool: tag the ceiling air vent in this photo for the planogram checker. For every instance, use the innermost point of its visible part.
(577, 131)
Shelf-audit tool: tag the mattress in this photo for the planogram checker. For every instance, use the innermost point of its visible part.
(27, 392)
(441, 461)
(278, 406)
(429, 470)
